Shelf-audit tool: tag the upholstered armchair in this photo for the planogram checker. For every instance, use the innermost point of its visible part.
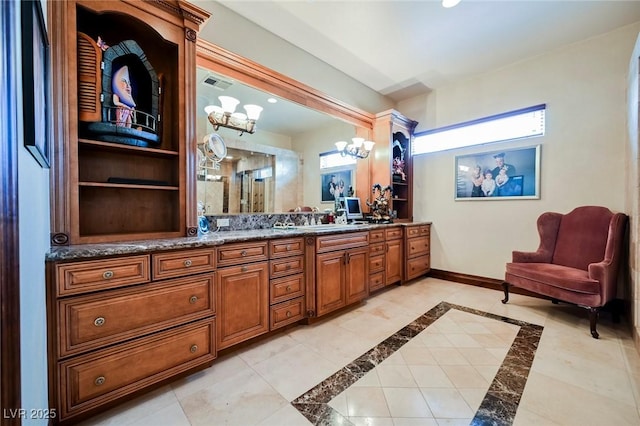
(577, 260)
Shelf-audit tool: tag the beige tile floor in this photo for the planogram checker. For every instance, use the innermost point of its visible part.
(438, 378)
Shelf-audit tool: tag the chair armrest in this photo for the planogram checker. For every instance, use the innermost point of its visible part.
(529, 257)
(606, 271)
(606, 274)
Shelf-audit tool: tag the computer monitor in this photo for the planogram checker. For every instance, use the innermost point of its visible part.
(352, 208)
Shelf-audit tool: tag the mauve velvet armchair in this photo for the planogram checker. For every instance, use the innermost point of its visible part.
(577, 260)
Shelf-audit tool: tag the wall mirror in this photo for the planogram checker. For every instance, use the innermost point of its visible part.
(275, 169)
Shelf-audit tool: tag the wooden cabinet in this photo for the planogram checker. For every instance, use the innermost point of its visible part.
(385, 257)
(114, 331)
(392, 164)
(394, 260)
(242, 293)
(119, 173)
(342, 270)
(418, 251)
(287, 281)
(100, 377)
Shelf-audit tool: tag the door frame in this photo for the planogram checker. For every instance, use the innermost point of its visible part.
(10, 386)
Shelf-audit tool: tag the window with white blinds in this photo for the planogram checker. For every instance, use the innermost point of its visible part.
(335, 159)
(522, 123)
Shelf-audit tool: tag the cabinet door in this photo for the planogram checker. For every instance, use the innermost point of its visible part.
(393, 266)
(357, 274)
(330, 289)
(243, 303)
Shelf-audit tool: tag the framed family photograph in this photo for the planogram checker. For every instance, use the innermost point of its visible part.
(35, 81)
(336, 184)
(498, 175)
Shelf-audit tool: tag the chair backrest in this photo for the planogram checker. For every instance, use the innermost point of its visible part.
(582, 237)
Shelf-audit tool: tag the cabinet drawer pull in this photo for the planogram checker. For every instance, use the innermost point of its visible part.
(193, 349)
(99, 322)
(99, 381)
(243, 253)
(187, 263)
(244, 269)
(287, 267)
(288, 314)
(107, 275)
(288, 247)
(288, 288)
(193, 299)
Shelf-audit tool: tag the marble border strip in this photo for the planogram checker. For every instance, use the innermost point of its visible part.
(499, 404)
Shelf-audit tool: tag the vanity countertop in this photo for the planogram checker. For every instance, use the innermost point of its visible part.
(212, 239)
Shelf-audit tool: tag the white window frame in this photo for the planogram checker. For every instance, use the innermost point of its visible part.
(518, 124)
(333, 159)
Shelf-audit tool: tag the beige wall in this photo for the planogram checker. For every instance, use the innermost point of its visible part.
(583, 151)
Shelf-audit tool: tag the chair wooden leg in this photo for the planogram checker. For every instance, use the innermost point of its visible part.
(505, 287)
(593, 319)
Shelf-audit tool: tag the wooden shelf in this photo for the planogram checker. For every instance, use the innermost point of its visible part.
(129, 186)
(124, 148)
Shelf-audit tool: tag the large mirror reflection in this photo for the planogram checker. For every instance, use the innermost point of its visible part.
(275, 169)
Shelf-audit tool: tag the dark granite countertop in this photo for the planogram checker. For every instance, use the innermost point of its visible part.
(212, 239)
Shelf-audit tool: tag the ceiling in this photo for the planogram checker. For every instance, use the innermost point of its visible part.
(405, 48)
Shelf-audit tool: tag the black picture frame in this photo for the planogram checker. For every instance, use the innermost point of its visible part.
(35, 81)
(521, 180)
(330, 181)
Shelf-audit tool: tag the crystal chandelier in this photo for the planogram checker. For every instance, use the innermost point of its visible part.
(225, 115)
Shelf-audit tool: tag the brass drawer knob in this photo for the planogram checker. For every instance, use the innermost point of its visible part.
(288, 266)
(244, 269)
(288, 247)
(107, 275)
(243, 253)
(187, 263)
(193, 299)
(99, 381)
(288, 314)
(99, 322)
(193, 349)
(288, 288)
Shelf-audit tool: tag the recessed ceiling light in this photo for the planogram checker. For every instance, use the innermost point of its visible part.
(449, 3)
(272, 100)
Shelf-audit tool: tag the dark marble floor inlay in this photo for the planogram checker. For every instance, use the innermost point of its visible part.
(499, 404)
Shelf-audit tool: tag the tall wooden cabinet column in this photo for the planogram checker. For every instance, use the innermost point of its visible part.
(393, 134)
(105, 188)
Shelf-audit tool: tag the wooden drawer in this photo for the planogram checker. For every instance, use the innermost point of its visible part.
(181, 263)
(288, 247)
(334, 242)
(286, 288)
(235, 254)
(376, 281)
(89, 322)
(88, 381)
(82, 277)
(376, 263)
(376, 249)
(376, 236)
(418, 266)
(286, 266)
(417, 246)
(417, 231)
(286, 313)
(393, 233)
